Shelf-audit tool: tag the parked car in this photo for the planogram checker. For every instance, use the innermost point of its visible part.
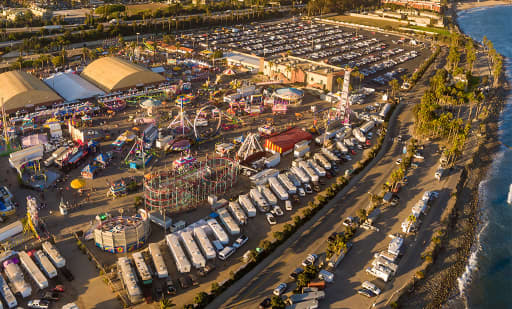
(240, 241)
(171, 290)
(308, 188)
(302, 192)
(193, 279)
(59, 288)
(310, 260)
(288, 205)
(276, 210)
(296, 273)
(271, 219)
(39, 304)
(366, 292)
(370, 286)
(280, 289)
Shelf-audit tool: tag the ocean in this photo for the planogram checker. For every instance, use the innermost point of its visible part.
(487, 282)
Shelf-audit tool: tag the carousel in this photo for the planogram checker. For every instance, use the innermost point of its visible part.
(288, 96)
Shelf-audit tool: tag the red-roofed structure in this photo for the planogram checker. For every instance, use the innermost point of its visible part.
(284, 142)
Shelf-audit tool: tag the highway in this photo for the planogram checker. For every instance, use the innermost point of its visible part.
(250, 290)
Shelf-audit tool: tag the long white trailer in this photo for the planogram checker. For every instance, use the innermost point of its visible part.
(32, 269)
(246, 203)
(278, 189)
(218, 231)
(237, 212)
(285, 181)
(329, 154)
(195, 254)
(359, 135)
(320, 171)
(7, 294)
(341, 147)
(258, 198)
(180, 258)
(54, 254)
(204, 243)
(15, 276)
(309, 171)
(367, 126)
(269, 196)
(324, 162)
(142, 268)
(129, 279)
(228, 221)
(45, 264)
(300, 174)
(293, 178)
(158, 260)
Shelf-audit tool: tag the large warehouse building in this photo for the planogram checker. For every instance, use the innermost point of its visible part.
(72, 87)
(21, 90)
(113, 74)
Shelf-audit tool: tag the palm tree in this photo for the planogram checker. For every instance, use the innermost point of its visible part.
(166, 303)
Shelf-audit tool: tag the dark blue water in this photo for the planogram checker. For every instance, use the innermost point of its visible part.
(487, 282)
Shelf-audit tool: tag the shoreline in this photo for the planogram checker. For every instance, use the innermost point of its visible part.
(463, 6)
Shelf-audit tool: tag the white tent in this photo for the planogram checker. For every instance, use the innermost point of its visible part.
(72, 87)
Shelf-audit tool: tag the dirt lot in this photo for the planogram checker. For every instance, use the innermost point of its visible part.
(133, 9)
(368, 21)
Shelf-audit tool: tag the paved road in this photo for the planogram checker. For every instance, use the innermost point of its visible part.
(311, 238)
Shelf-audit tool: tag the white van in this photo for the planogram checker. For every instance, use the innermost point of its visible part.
(226, 252)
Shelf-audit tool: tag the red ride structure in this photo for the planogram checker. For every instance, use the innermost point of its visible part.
(180, 189)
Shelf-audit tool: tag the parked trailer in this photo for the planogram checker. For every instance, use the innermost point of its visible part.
(348, 142)
(158, 260)
(204, 243)
(237, 212)
(385, 110)
(293, 178)
(7, 294)
(45, 264)
(269, 196)
(218, 231)
(197, 258)
(359, 135)
(309, 304)
(53, 254)
(285, 181)
(142, 268)
(278, 189)
(320, 171)
(297, 298)
(341, 147)
(309, 171)
(380, 272)
(335, 260)
(10, 230)
(386, 263)
(228, 221)
(259, 200)
(32, 269)
(129, 279)
(300, 174)
(324, 162)
(330, 155)
(246, 203)
(301, 151)
(367, 127)
(182, 263)
(15, 276)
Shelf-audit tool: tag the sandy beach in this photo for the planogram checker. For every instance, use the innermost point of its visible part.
(461, 6)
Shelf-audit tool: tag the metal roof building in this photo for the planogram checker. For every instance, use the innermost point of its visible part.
(112, 74)
(72, 87)
(21, 90)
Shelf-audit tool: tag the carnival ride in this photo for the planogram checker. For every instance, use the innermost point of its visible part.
(344, 105)
(180, 189)
(250, 146)
(213, 116)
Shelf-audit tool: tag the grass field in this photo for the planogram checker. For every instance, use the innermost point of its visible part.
(431, 29)
(136, 8)
(367, 21)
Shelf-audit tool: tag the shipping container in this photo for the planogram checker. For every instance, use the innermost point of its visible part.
(218, 231)
(182, 263)
(7, 294)
(278, 189)
(158, 260)
(32, 269)
(196, 257)
(287, 184)
(129, 279)
(15, 276)
(142, 268)
(45, 264)
(237, 212)
(228, 222)
(246, 203)
(204, 243)
(53, 254)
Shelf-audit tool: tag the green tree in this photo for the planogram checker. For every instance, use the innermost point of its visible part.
(166, 303)
(57, 61)
(277, 302)
(201, 299)
(361, 213)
